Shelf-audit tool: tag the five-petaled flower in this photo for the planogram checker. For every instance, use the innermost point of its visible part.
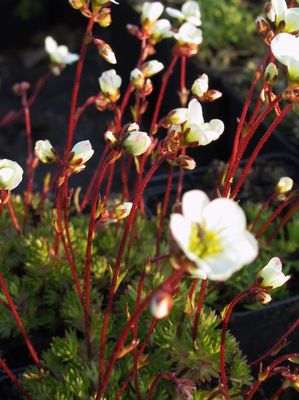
(59, 55)
(188, 34)
(288, 16)
(213, 235)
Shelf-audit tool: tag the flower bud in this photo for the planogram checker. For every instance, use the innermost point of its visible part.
(110, 83)
(104, 17)
(270, 12)
(151, 68)
(262, 25)
(213, 95)
(263, 297)
(123, 210)
(160, 30)
(80, 154)
(200, 85)
(77, 4)
(284, 185)
(137, 78)
(271, 73)
(137, 142)
(11, 174)
(20, 88)
(271, 276)
(185, 162)
(161, 305)
(45, 151)
(105, 51)
(178, 116)
(110, 138)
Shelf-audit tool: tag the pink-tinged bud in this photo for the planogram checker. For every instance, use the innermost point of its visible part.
(263, 297)
(161, 305)
(185, 162)
(123, 210)
(20, 88)
(45, 152)
(262, 25)
(105, 51)
(137, 142)
(269, 10)
(213, 95)
(133, 30)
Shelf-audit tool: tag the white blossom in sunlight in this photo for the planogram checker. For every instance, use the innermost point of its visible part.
(11, 174)
(137, 142)
(200, 85)
(197, 130)
(151, 68)
(213, 235)
(190, 12)
(110, 83)
(80, 154)
(160, 30)
(188, 34)
(271, 276)
(285, 48)
(59, 54)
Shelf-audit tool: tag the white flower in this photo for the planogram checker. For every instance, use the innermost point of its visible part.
(271, 276)
(123, 210)
(199, 131)
(80, 154)
(11, 174)
(285, 48)
(200, 85)
(110, 83)
(213, 235)
(289, 15)
(151, 68)
(59, 54)
(160, 30)
(284, 185)
(45, 151)
(190, 12)
(188, 34)
(151, 11)
(137, 142)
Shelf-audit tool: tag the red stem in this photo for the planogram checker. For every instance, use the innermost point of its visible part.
(273, 216)
(59, 208)
(12, 115)
(241, 124)
(88, 256)
(175, 276)
(72, 120)
(13, 216)
(165, 79)
(118, 262)
(199, 308)
(277, 393)
(133, 370)
(164, 209)
(276, 346)
(269, 369)
(258, 148)
(19, 321)
(93, 179)
(181, 181)
(12, 376)
(109, 182)
(264, 206)
(227, 315)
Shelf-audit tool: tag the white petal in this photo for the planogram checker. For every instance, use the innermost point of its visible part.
(221, 214)
(280, 7)
(174, 13)
(292, 19)
(50, 45)
(193, 205)
(195, 116)
(191, 12)
(219, 268)
(242, 247)
(285, 48)
(210, 131)
(180, 229)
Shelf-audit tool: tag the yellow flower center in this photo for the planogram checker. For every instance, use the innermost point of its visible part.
(203, 243)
